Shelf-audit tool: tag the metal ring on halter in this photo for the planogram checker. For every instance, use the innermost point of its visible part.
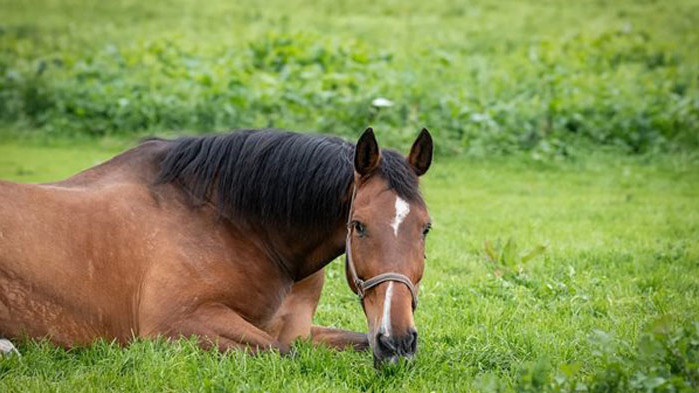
(361, 286)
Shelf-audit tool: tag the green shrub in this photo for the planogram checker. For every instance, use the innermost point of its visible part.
(666, 359)
(625, 86)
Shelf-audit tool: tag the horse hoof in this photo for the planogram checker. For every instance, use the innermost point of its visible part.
(7, 349)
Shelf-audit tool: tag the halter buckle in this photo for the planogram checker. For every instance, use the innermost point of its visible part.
(359, 284)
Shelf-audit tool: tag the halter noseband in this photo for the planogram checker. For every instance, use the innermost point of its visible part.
(363, 286)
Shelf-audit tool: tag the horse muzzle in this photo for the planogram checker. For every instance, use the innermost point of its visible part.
(388, 349)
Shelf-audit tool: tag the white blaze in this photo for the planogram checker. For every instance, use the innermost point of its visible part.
(386, 317)
(402, 210)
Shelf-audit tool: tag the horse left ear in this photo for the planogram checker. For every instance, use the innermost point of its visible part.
(420, 156)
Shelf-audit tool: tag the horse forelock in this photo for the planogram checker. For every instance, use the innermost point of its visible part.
(277, 178)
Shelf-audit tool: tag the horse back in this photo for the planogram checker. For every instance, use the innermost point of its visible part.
(72, 253)
(106, 253)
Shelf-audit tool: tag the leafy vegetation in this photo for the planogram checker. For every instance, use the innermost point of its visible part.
(574, 276)
(485, 76)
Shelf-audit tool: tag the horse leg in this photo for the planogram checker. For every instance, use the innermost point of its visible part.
(219, 326)
(339, 339)
(295, 316)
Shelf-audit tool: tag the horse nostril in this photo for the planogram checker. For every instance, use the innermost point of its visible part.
(385, 343)
(410, 344)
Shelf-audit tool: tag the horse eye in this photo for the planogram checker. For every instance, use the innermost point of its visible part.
(359, 228)
(426, 230)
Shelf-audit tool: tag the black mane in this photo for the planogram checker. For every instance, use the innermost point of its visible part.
(275, 177)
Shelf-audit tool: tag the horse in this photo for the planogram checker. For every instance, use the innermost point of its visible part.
(222, 237)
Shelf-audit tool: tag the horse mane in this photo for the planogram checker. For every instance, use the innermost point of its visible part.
(278, 178)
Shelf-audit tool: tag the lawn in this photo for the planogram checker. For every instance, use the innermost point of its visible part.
(610, 304)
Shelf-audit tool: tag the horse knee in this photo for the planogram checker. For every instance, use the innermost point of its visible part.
(295, 316)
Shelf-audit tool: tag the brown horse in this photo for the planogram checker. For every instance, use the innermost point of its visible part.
(221, 237)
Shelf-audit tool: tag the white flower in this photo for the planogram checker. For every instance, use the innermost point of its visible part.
(381, 102)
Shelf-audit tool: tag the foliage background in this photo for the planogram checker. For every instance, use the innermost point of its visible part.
(485, 76)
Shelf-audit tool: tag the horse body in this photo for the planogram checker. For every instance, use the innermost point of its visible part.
(222, 237)
(104, 254)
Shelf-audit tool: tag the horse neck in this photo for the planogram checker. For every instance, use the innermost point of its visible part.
(331, 246)
(299, 254)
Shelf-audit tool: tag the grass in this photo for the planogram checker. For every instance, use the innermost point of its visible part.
(610, 304)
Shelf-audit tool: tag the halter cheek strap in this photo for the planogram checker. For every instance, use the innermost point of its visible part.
(362, 286)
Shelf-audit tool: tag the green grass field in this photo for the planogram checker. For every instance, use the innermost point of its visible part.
(564, 194)
(612, 303)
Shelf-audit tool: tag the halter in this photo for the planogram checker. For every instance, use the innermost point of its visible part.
(363, 286)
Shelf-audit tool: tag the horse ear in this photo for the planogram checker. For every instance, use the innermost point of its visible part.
(366, 153)
(420, 156)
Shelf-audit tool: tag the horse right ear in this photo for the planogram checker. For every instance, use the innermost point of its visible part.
(366, 154)
(420, 156)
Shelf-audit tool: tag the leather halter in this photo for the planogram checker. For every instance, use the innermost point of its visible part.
(363, 286)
